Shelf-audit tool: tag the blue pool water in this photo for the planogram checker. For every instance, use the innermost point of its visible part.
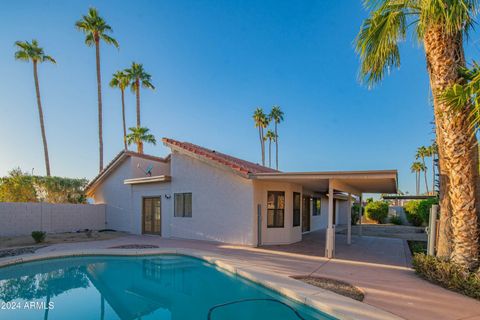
(150, 287)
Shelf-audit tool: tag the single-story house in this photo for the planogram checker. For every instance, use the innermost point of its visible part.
(199, 193)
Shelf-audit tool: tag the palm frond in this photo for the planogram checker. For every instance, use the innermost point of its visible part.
(378, 39)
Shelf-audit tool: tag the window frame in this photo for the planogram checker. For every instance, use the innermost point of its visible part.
(276, 210)
(184, 213)
(296, 211)
(316, 211)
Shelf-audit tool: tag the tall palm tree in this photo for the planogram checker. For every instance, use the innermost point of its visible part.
(260, 120)
(138, 78)
(422, 153)
(432, 152)
(30, 51)
(276, 114)
(121, 81)
(139, 136)
(441, 25)
(96, 29)
(417, 167)
(270, 136)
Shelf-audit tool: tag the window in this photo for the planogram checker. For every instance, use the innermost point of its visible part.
(317, 207)
(183, 205)
(275, 209)
(296, 209)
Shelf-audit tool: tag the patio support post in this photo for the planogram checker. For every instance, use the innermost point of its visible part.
(329, 243)
(349, 218)
(360, 216)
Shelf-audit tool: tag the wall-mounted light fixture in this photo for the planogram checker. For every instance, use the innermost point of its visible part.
(167, 196)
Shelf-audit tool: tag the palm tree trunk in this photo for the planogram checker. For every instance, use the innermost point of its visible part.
(269, 153)
(276, 147)
(433, 173)
(425, 174)
(137, 91)
(457, 150)
(263, 147)
(140, 147)
(123, 118)
(417, 182)
(99, 93)
(260, 137)
(42, 124)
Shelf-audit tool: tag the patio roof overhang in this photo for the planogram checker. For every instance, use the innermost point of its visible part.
(355, 182)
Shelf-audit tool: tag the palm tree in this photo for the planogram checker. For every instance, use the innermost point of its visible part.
(96, 30)
(270, 136)
(417, 167)
(261, 122)
(441, 25)
(432, 152)
(140, 135)
(277, 116)
(30, 51)
(121, 80)
(138, 78)
(422, 153)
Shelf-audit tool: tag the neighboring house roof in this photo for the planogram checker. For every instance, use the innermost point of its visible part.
(239, 166)
(119, 158)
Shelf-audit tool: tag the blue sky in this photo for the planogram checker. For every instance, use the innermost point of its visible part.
(213, 63)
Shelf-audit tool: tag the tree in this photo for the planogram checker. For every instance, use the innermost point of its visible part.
(270, 136)
(121, 81)
(422, 153)
(261, 122)
(30, 51)
(441, 25)
(96, 29)
(139, 136)
(17, 187)
(417, 168)
(138, 78)
(277, 116)
(432, 152)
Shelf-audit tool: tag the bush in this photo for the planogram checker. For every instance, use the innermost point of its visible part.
(377, 211)
(418, 211)
(448, 275)
(396, 220)
(38, 236)
(355, 214)
(412, 213)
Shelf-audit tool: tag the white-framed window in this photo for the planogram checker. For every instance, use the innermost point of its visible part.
(183, 204)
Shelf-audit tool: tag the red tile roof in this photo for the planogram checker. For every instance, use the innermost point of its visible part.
(244, 168)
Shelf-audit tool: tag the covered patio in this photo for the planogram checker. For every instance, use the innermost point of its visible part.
(351, 183)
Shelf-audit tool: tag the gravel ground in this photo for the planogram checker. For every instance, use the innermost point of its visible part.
(52, 238)
(339, 287)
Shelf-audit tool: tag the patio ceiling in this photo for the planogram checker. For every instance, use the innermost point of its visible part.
(356, 182)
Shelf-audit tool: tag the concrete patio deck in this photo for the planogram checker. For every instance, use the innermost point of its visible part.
(376, 265)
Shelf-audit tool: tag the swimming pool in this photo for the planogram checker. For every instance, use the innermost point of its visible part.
(143, 287)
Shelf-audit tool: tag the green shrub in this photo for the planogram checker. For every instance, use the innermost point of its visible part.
(396, 220)
(38, 236)
(448, 275)
(355, 214)
(377, 211)
(412, 212)
(418, 211)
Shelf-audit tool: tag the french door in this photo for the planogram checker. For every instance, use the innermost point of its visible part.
(152, 216)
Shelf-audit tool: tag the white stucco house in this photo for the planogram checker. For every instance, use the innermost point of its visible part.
(198, 193)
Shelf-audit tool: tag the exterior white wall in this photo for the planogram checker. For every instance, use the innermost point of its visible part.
(121, 202)
(222, 202)
(23, 218)
(341, 212)
(287, 234)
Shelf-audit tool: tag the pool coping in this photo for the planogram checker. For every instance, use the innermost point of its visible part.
(335, 305)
